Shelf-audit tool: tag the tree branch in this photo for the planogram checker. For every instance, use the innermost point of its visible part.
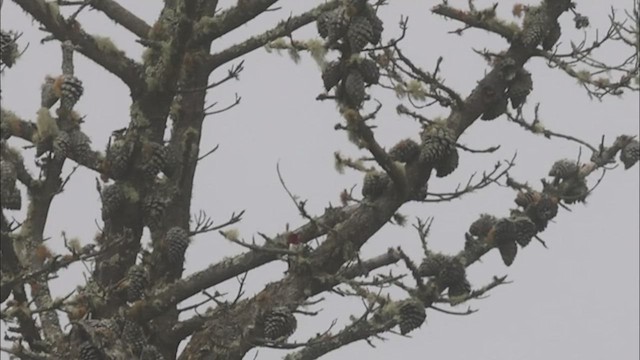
(122, 16)
(27, 130)
(101, 51)
(210, 28)
(344, 242)
(282, 29)
(232, 267)
(470, 18)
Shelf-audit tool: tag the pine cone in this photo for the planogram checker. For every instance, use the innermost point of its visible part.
(376, 29)
(405, 151)
(112, 200)
(354, 88)
(534, 27)
(525, 199)
(580, 21)
(150, 352)
(453, 272)
(89, 352)
(374, 184)
(461, 288)
(519, 88)
(119, 156)
(177, 241)
(448, 163)
(412, 315)
(8, 175)
(337, 23)
(359, 34)
(547, 207)
(630, 154)
(80, 146)
(541, 224)
(332, 74)
(540, 212)
(8, 49)
(508, 251)
(133, 336)
(369, 70)
(437, 141)
(482, 225)
(153, 208)
(70, 91)
(62, 144)
(504, 231)
(552, 36)
(564, 169)
(495, 109)
(279, 323)
(172, 161)
(433, 264)
(12, 200)
(138, 279)
(154, 157)
(525, 230)
(355, 6)
(574, 190)
(5, 40)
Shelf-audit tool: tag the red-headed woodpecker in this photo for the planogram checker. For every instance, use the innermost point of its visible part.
(294, 242)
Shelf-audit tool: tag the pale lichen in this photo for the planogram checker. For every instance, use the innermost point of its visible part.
(138, 117)
(106, 45)
(130, 193)
(47, 126)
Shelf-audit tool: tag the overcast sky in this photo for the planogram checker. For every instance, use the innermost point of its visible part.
(576, 300)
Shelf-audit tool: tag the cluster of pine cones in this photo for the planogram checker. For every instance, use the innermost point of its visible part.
(437, 148)
(538, 207)
(505, 233)
(155, 158)
(126, 337)
(538, 28)
(349, 28)
(519, 87)
(567, 184)
(72, 143)
(449, 273)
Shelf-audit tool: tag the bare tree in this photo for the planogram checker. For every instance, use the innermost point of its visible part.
(128, 308)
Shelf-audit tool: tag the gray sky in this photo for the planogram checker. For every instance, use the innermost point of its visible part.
(577, 300)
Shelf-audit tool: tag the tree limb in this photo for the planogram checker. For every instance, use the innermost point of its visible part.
(101, 51)
(122, 16)
(229, 268)
(284, 28)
